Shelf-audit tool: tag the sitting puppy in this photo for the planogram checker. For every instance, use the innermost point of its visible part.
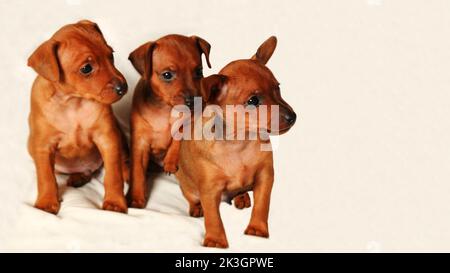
(230, 168)
(72, 126)
(171, 70)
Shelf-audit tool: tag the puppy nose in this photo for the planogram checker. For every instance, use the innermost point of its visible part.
(120, 88)
(290, 117)
(189, 101)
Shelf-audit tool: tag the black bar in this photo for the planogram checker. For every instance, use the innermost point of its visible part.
(224, 262)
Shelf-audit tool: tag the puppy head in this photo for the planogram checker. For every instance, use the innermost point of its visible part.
(173, 67)
(79, 62)
(250, 83)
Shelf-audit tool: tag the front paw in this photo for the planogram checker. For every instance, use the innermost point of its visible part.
(170, 167)
(242, 201)
(49, 205)
(117, 205)
(215, 241)
(138, 202)
(196, 210)
(257, 230)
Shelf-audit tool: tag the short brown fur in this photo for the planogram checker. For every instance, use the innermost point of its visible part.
(153, 100)
(72, 126)
(230, 168)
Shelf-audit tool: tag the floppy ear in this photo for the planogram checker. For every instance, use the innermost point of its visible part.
(265, 50)
(204, 47)
(44, 61)
(211, 86)
(90, 26)
(141, 58)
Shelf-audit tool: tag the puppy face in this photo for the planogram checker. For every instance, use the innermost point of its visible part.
(173, 67)
(251, 83)
(80, 62)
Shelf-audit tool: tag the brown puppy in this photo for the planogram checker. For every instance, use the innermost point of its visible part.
(171, 70)
(72, 126)
(230, 168)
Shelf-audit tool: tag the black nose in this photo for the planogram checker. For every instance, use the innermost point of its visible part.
(290, 117)
(189, 101)
(120, 88)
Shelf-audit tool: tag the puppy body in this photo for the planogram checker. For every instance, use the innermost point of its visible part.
(171, 70)
(227, 169)
(72, 126)
(228, 166)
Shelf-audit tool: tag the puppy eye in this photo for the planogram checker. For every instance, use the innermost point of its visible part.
(254, 100)
(199, 73)
(86, 69)
(167, 76)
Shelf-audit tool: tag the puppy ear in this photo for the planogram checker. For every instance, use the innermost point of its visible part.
(44, 60)
(211, 86)
(90, 26)
(265, 50)
(204, 47)
(141, 58)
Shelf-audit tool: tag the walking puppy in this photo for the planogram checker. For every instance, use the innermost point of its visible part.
(230, 168)
(171, 70)
(72, 126)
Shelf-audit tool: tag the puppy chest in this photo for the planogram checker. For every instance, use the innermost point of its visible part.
(70, 116)
(239, 174)
(76, 143)
(237, 165)
(160, 138)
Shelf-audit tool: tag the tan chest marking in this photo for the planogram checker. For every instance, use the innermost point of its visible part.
(160, 124)
(74, 121)
(238, 164)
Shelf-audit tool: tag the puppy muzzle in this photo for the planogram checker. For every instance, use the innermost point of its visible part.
(120, 87)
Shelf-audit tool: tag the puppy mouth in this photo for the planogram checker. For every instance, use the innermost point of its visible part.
(183, 100)
(108, 96)
(280, 131)
(284, 130)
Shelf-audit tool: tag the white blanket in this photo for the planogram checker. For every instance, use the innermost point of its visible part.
(366, 167)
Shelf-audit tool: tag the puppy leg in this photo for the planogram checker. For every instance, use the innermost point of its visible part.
(195, 209)
(77, 180)
(258, 225)
(125, 170)
(215, 233)
(171, 158)
(109, 145)
(242, 201)
(137, 194)
(47, 199)
(125, 158)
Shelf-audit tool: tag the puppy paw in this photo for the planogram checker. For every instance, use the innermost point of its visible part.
(136, 201)
(117, 205)
(212, 241)
(257, 230)
(50, 206)
(242, 201)
(170, 168)
(77, 180)
(196, 210)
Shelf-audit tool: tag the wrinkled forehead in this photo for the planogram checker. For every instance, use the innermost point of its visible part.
(249, 76)
(176, 54)
(75, 38)
(77, 47)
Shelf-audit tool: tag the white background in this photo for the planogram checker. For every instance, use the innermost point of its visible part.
(366, 167)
